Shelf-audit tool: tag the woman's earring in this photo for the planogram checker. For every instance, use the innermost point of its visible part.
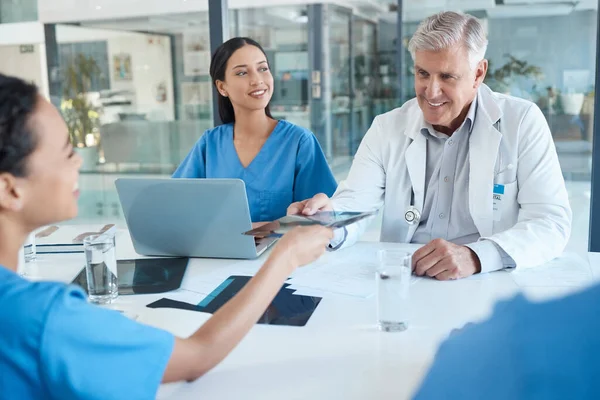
(223, 94)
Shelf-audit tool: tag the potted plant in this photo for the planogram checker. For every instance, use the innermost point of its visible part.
(81, 116)
(502, 78)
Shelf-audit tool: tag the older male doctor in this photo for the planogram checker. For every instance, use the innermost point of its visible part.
(470, 173)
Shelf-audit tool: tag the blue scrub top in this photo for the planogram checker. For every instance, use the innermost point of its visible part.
(55, 345)
(526, 350)
(289, 167)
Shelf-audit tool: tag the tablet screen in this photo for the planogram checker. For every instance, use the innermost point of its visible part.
(146, 275)
(332, 219)
(338, 218)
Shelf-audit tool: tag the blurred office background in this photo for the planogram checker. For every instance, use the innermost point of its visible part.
(131, 76)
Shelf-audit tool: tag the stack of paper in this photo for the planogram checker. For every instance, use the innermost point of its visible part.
(354, 278)
(349, 271)
(67, 239)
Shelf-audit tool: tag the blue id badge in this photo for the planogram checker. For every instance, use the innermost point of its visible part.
(497, 203)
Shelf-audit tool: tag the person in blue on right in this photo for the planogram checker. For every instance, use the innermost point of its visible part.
(279, 162)
(526, 350)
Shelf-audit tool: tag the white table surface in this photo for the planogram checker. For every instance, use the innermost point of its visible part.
(339, 354)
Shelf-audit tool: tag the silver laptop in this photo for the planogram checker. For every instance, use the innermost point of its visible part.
(189, 217)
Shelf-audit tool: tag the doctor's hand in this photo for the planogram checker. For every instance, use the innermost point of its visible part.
(302, 245)
(443, 260)
(319, 202)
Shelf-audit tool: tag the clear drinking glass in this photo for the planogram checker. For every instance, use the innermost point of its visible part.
(393, 284)
(101, 268)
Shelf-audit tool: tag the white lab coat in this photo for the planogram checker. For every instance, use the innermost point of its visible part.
(534, 223)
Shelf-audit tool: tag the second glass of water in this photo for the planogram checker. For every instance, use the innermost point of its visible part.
(393, 284)
(101, 268)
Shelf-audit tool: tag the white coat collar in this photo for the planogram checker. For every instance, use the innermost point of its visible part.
(487, 105)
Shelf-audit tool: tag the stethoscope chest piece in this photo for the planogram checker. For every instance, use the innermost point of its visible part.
(412, 215)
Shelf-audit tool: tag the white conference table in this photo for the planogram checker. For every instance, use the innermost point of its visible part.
(339, 354)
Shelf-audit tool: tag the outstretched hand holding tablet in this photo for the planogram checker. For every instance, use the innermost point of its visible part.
(330, 219)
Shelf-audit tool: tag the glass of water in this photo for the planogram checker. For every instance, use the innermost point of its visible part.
(393, 283)
(101, 268)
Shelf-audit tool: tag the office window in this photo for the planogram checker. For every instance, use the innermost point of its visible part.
(338, 45)
(73, 54)
(283, 33)
(18, 11)
(136, 95)
(367, 81)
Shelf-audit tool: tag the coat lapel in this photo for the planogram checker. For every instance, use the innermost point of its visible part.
(484, 143)
(416, 162)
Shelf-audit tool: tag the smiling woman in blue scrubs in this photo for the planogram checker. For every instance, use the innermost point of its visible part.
(279, 162)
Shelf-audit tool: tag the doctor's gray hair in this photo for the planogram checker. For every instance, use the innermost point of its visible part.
(447, 29)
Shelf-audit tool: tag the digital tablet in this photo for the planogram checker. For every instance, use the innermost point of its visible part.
(331, 219)
(145, 275)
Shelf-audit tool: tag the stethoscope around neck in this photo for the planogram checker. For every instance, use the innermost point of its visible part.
(412, 215)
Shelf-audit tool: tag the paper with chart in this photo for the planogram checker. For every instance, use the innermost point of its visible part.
(349, 271)
(343, 275)
(568, 270)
